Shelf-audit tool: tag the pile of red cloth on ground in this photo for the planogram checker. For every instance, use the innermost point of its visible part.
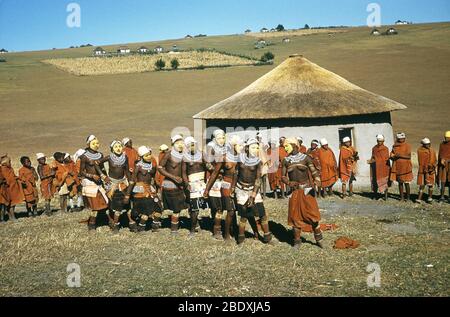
(346, 243)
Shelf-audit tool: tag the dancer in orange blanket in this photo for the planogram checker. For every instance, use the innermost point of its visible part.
(380, 168)
(401, 170)
(28, 177)
(347, 166)
(427, 169)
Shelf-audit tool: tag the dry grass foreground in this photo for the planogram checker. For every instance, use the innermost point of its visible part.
(88, 66)
(409, 242)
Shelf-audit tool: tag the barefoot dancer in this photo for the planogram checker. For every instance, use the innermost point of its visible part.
(226, 171)
(246, 185)
(300, 174)
(146, 203)
(195, 167)
(173, 185)
(117, 181)
(92, 182)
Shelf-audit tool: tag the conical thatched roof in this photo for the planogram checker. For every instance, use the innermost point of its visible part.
(299, 89)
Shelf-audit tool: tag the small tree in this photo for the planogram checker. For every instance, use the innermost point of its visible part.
(160, 64)
(174, 63)
(267, 57)
(307, 27)
(280, 28)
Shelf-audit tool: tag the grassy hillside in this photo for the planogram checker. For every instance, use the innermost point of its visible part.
(45, 109)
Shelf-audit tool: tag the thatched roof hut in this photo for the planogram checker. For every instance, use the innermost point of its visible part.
(299, 88)
(300, 98)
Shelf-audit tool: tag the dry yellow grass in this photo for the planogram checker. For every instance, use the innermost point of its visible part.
(289, 33)
(88, 66)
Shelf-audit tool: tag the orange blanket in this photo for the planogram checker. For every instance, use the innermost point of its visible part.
(380, 168)
(402, 168)
(444, 154)
(27, 178)
(14, 188)
(346, 243)
(303, 211)
(346, 163)
(47, 187)
(132, 156)
(4, 196)
(427, 166)
(328, 167)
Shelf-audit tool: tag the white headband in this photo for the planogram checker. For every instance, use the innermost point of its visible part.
(90, 138)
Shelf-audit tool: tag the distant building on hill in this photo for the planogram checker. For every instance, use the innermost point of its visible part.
(158, 49)
(123, 50)
(143, 50)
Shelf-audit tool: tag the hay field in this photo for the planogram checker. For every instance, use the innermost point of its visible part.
(89, 66)
(292, 33)
(410, 243)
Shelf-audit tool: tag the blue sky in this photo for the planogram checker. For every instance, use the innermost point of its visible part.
(41, 24)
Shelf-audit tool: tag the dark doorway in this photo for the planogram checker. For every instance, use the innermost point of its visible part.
(345, 132)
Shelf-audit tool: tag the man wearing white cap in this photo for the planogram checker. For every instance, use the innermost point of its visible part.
(313, 152)
(347, 165)
(146, 203)
(194, 169)
(173, 185)
(302, 148)
(132, 154)
(246, 186)
(380, 166)
(46, 175)
(215, 153)
(328, 168)
(427, 169)
(92, 182)
(402, 170)
(444, 166)
(117, 181)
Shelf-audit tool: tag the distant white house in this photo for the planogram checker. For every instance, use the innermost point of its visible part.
(143, 50)
(375, 32)
(175, 48)
(3, 51)
(99, 51)
(286, 40)
(124, 50)
(261, 43)
(158, 49)
(400, 22)
(264, 30)
(391, 31)
(273, 30)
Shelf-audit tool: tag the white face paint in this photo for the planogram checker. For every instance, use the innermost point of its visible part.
(253, 150)
(94, 145)
(179, 146)
(117, 149)
(238, 148)
(220, 139)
